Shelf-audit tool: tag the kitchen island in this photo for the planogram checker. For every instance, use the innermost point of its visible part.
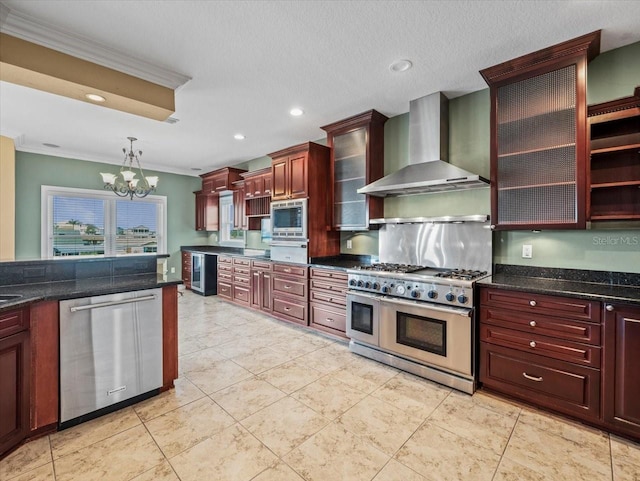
(30, 326)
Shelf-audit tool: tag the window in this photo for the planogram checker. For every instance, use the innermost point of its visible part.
(229, 236)
(82, 222)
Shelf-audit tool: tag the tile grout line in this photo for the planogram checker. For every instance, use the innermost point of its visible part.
(161, 451)
(513, 429)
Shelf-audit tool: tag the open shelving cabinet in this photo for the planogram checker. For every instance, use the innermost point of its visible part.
(614, 174)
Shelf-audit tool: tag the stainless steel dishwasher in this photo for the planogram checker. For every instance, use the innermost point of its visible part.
(110, 353)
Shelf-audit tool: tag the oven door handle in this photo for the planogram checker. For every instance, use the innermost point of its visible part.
(364, 295)
(424, 305)
(291, 243)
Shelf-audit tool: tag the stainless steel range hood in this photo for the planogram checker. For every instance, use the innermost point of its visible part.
(428, 170)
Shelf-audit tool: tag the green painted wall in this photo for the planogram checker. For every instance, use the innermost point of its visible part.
(35, 170)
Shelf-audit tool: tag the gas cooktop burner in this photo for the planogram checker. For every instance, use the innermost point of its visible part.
(463, 274)
(389, 267)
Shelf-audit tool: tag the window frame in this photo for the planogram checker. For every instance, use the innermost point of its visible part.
(48, 192)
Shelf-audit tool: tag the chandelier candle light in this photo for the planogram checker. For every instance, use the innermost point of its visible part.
(124, 184)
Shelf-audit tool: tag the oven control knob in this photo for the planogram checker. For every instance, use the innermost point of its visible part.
(385, 289)
(367, 285)
(352, 282)
(400, 289)
(360, 283)
(450, 296)
(432, 294)
(376, 286)
(415, 294)
(462, 299)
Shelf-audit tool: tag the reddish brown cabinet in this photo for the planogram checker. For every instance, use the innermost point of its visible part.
(357, 159)
(261, 280)
(15, 367)
(257, 203)
(328, 300)
(538, 140)
(290, 295)
(289, 175)
(543, 349)
(621, 382)
(239, 211)
(186, 269)
(207, 207)
(219, 180)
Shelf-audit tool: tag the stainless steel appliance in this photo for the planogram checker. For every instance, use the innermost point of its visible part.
(110, 353)
(204, 273)
(421, 318)
(289, 231)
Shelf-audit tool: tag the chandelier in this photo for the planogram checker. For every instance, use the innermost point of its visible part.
(125, 184)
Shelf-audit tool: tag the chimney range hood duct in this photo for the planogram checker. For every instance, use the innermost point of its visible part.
(428, 170)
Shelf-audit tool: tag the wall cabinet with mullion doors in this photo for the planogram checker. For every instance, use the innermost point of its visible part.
(357, 159)
(538, 138)
(614, 174)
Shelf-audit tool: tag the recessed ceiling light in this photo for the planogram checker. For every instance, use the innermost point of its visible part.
(296, 112)
(401, 65)
(196, 169)
(95, 97)
(53, 146)
(239, 137)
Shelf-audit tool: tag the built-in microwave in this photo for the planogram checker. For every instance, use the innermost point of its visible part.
(289, 220)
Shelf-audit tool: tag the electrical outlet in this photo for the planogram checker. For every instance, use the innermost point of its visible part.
(527, 251)
(349, 244)
(173, 270)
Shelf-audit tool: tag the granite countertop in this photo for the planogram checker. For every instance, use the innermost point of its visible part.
(82, 288)
(341, 262)
(583, 284)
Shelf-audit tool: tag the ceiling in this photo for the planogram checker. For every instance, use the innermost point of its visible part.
(250, 62)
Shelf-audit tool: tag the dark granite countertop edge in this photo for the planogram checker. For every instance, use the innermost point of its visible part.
(60, 290)
(577, 289)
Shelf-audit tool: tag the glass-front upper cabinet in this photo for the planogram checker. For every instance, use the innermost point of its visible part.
(539, 144)
(357, 159)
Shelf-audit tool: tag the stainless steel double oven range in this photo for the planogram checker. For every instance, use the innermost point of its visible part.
(416, 309)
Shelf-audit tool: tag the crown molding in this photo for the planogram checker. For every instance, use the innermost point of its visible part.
(23, 26)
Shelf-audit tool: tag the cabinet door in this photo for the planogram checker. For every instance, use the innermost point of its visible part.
(255, 289)
(211, 213)
(279, 173)
(349, 174)
(298, 176)
(620, 372)
(14, 389)
(266, 189)
(249, 187)
(220, 182)
(265, 303)
(239, 217)
(201, 207)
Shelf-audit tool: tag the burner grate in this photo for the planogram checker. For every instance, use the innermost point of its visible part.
(389, 267)
(462, 274)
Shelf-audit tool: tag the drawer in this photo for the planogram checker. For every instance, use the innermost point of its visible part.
(290, 287)
(241, 261)
(225, 268)
(242, 271)
(242, 280)
(319, 314)
(328, 297)
(562, 350)
(535, 303)
(328, 274)
(12, 322)
(225, 276)
(547, 382)
(548, 326)
(224, 289)
(329, 286)
(288, 269)
(241, 294)
(261, 265)
(290, 309)
(224, 260)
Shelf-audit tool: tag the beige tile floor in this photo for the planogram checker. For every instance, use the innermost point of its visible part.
(262, 400)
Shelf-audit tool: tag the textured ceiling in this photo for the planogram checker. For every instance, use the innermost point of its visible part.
(252, 61)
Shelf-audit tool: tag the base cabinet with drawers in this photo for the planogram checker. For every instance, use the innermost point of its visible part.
(574, 356)
(328, 300)
(290, 291)
(225, 277)
(241, 281)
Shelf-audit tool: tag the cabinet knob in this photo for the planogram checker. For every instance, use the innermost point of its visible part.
(532, 344)
(533, 303)
(532, 323)
(609, 307)
(493, 227)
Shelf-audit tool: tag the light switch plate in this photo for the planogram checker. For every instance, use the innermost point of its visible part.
(349, 244)
(527, 251)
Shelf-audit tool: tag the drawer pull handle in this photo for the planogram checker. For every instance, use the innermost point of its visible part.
(533, 303)
(287, 270)
(532, 378)
(330, 320)
(532, 344)
(532, 323)
(609, 307)
(287, 309)
(287, 287)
